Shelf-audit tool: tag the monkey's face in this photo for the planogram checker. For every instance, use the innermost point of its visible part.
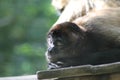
(63, 42)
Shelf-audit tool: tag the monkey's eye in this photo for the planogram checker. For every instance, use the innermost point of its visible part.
(58, 41)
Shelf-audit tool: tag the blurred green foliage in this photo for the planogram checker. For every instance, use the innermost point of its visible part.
(23, 28)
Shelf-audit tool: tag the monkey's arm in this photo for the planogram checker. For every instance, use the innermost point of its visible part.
(103, 57)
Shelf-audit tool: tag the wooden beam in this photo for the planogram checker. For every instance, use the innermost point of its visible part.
(28, 77)
(85, 70)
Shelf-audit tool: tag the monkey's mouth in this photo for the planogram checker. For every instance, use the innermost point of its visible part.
(51, 58)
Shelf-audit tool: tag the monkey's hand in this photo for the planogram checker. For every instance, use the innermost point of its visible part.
(55, 65)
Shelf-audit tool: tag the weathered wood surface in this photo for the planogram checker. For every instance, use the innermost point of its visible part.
(85, 72)
(29, 77)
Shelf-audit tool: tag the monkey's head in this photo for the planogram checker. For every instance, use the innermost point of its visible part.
(65, 41)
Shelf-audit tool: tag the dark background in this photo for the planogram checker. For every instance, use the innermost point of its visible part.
(23, 28)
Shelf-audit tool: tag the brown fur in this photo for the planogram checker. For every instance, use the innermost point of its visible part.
(106, 22)
(92, 39)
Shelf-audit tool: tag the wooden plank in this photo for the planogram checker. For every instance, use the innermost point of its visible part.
(85, 70)
(28, 77)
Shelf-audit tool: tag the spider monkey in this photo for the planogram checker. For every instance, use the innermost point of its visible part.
(92, 39)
